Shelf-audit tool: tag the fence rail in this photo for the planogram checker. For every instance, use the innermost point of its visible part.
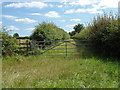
(65, 46)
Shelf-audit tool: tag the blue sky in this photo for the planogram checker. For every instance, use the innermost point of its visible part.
(22, 17)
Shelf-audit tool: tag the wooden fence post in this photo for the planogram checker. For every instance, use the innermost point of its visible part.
(19, 47)
(30, 46)
(27, 45)
(66, 48)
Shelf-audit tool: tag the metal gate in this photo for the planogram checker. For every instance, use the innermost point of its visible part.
(67, 47)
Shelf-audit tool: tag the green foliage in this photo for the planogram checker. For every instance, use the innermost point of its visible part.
(59, 72)
(72, 33)
(26, 37)
(9, 44)
(48, 32)
(83, 35)
(78, 27)
(16, 35)
(104, 35)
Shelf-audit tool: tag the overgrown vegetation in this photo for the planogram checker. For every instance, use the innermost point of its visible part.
(16, 35)
(104, 35)
(77, 28)
(9, 44)
(48, 32)
(43, 32)
(59, 72)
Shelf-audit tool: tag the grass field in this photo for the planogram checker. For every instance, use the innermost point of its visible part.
(59, 72)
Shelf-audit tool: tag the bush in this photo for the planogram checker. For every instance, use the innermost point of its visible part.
(104, 35)
(48, 32)
(9, 44)
(16, 35)
(83, 35)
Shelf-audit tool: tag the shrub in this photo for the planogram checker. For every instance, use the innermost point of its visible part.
(104, 35)
(48, 32)
(9, 44)
(83, 35)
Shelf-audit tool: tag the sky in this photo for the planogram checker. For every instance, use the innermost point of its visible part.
(22, 17)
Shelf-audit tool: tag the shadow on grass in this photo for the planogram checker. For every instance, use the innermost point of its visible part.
(87, 52)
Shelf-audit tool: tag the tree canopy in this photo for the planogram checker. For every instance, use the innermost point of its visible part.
(78, 27)
(16, 35)
(48, 32)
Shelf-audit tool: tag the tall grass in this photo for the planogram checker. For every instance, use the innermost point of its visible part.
(59, 72)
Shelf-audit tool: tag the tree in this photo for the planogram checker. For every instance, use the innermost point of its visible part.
(72, 33)
(78, 28)
(16, 35)
(48, 32)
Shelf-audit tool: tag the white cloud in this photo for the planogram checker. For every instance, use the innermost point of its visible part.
(74, 19)
(25, 20)
(102, 4)
(35, 14)
(70, 11)
(29, 29)
(0, 22)
(60, 6)
(80, 10)
(105, 3)
(50, 5)
(92, 11)
(70, 26)
(77, 3)
(9, 16)
(64, 2)
(28, 4)
(108, 3)
(83, 2)
(12, 28)
(52, 14)
(63, 20)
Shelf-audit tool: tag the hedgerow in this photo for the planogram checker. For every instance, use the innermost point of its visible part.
(104, 35)
(9, 44)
